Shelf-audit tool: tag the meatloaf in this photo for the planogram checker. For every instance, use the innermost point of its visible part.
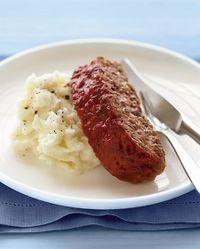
(109, 109)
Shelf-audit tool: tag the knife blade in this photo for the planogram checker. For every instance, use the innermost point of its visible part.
(160, 106)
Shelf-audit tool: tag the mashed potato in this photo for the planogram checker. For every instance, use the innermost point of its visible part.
(49, 125)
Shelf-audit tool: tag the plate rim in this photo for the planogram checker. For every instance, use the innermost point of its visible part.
(88, 203)
(100, 40)
(91, 203)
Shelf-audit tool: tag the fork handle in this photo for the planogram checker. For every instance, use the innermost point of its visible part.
(191, 168)
(189, 128)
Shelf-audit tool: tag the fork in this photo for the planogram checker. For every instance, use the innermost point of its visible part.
(191, 168)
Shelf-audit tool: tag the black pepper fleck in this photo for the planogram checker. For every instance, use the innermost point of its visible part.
(36, 112)
(26, 107)
(66, 96)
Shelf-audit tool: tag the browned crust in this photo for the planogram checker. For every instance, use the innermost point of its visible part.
(109, 109)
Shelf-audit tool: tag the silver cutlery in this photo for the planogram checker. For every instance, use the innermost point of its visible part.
(158, 110)
(160, 107)
(191, 168)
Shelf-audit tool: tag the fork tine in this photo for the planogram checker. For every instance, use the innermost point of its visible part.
(145, 107)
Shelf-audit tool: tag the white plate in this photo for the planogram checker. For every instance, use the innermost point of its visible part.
(172, 73)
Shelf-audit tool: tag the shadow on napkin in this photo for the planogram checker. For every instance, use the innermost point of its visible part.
(20, 213)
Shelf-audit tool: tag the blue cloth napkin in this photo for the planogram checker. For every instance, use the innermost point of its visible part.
(20, 213)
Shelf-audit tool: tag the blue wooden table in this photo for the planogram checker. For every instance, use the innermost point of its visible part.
(98, 238)
(174, 24)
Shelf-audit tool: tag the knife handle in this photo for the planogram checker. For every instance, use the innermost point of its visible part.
(190, 129)
(190, 166)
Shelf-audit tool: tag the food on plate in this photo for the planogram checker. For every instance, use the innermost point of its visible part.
(109, 108)
(93, 117)
(50, 127)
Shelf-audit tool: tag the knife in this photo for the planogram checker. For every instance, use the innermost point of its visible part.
(190, 166)
(161, 108)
